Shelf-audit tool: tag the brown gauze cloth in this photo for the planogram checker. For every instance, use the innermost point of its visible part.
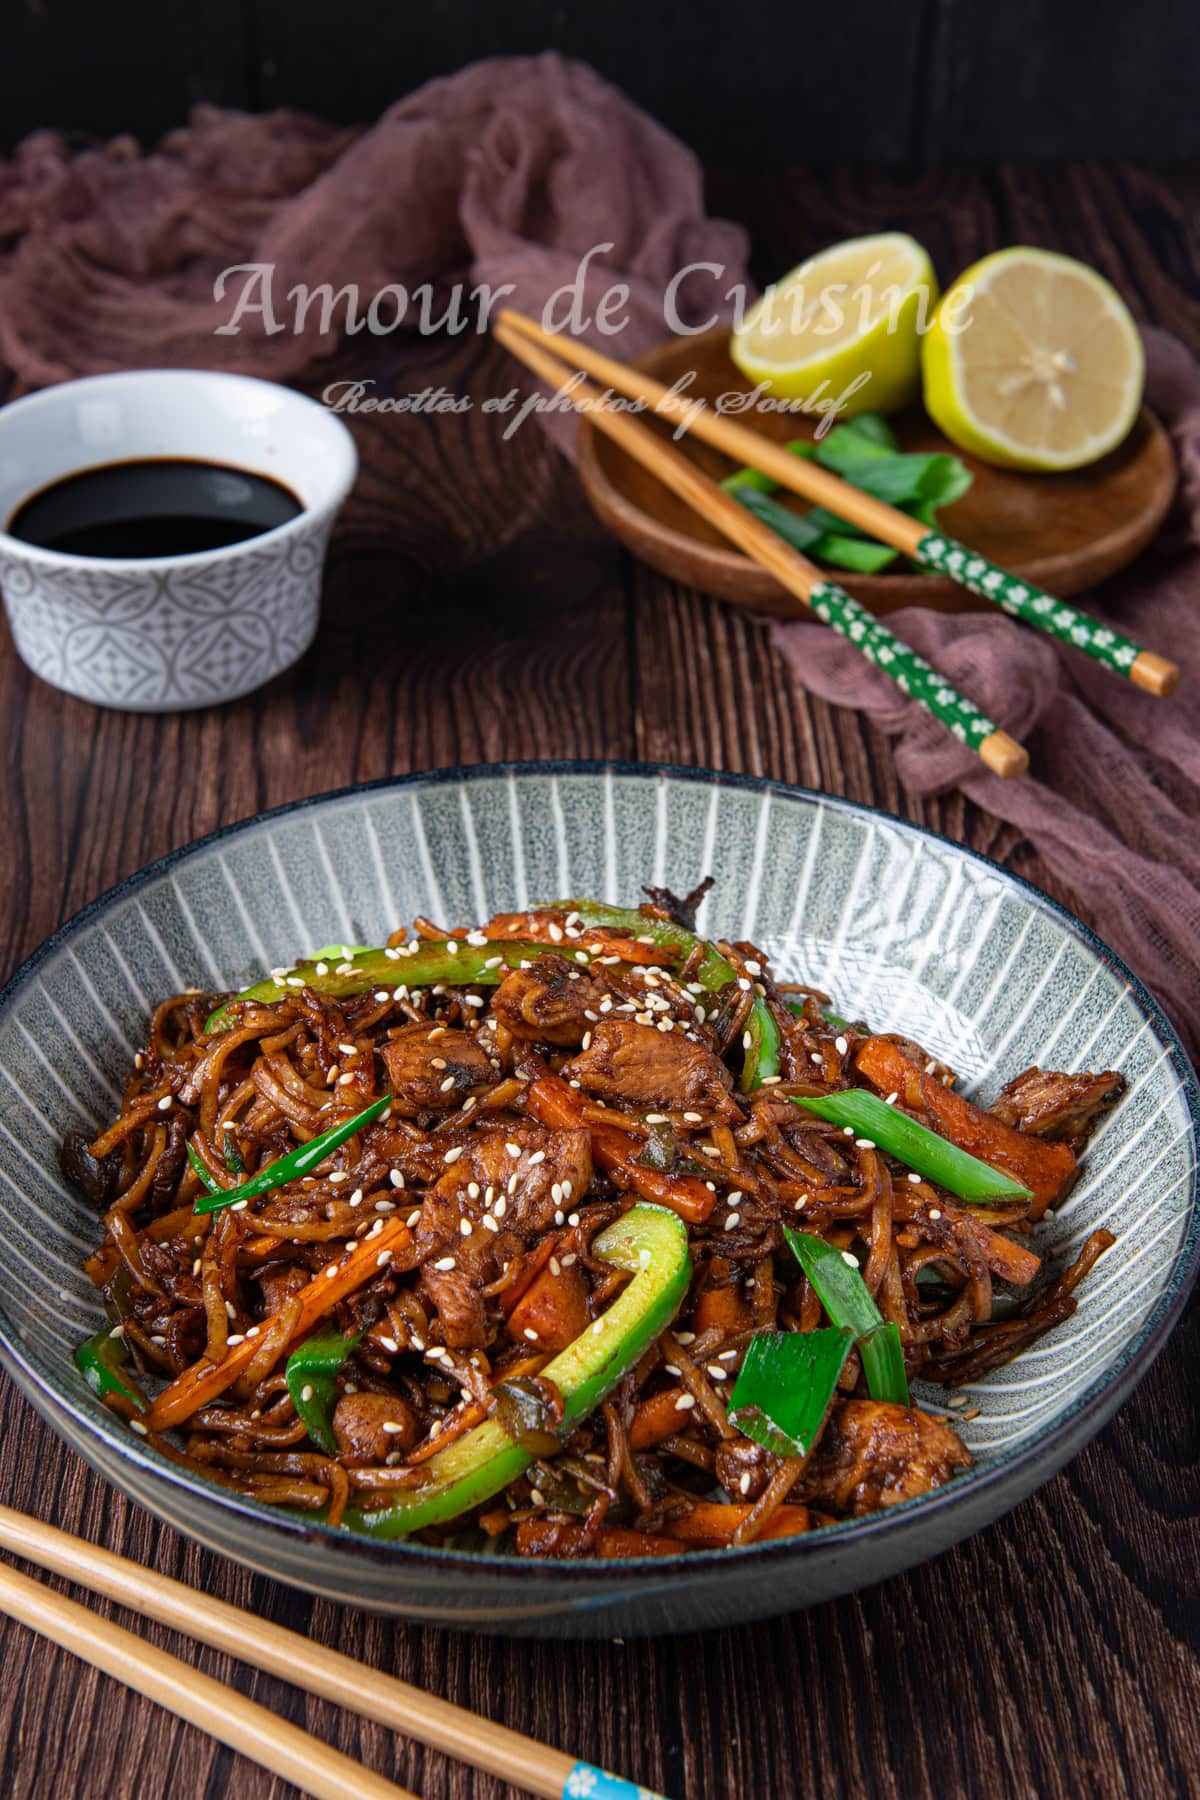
(510, 172)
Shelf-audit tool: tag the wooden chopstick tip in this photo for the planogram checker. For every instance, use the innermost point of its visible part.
(1003, 755)
(1156, 674)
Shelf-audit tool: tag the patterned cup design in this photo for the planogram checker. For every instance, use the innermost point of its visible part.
(169, 637)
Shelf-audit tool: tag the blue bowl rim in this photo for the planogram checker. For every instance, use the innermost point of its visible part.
(1086, 1414)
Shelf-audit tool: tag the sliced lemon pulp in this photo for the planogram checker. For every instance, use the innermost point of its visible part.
(1033, 361)
(850, 314)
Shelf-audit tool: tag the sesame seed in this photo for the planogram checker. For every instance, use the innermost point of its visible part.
(560, 1217)
(572, 1218)
(136, 1425)
(472, 1190)
(685, 1337)
(693, 1118)
(743, 984)
(708, 1150)
(972, 1412)
(376, 1228)
(164, 1104)
(685, 1403)
(717, 1373)
(800, 1204)
(452, 947)
(437, 1062)
(732, 1199)
(306, 1392)
(934, 1213)
(581, 957)
(392, 1427)
(747, 1040)
(464, 1225)
(770, 1081)
(568, 1188)
(501, 1207)
(477, 939)
(414, 1218)
(840, 1045)
(815, 1056)
(444, 1263)
(489, 1224)
(382, 994)
(598, 1327)
(744, 1483)
(847, 1131)
(472, 999)
(389, 1344)
(446, 1085)
(239, 1206)
(727, 1356)
(342, 1080)
(439, 1031)
(734, 1218)
(530, 1333)
(555, 1266)
(643, 1253)
(539, 1156)
(438, 1353)
(892, 1098)
(452, 1156)
(493, 962)
(512, 1183)
(850, 1261)
(914, 1178)
(356, 1198)
(656, 1118)
(237, 1338)
(339, 1175)
(330, 1271)
(396, 1177)
(864, 1143)
(514, 1150)
(322, 968)
(298, 981)
(400, 993)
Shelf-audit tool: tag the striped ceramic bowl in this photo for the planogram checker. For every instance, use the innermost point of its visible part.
(899, 925)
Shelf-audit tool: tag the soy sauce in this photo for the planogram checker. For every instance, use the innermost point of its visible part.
(153, 508)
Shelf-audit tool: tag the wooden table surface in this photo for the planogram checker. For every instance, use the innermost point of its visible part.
(473, 612)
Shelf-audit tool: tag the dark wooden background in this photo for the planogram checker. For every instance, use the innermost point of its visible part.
(473, 612)
(790, 80)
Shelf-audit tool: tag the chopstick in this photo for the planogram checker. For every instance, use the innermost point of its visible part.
(225, 1714)
(932, 549)
(510, 1756)
(911, 673)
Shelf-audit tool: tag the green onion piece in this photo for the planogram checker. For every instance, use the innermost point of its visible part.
(786, 1386)
(300, 1161)
(464, 965)
(205, 1179)
(847, 1300)
(232, 1155)
(99, 1361)
(311, 1373)
(714, 972)
(882, 1356)
(934, 1157)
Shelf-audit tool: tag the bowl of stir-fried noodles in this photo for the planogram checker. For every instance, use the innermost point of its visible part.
(574, 1199)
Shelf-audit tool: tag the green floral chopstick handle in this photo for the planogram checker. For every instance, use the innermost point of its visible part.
(1055, 617)
(911, 673)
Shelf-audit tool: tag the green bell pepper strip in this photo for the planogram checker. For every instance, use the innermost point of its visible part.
(311, 1373)
(99, 1361)
(301, 1161)
(847, 1300)
(649, 1241)
(786, 1386)
(934, 1157)
(761, 1054)
(464, 965)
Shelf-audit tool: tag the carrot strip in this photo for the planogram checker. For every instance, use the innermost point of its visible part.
(556, 1104)
(655, 1419)
(711, 1522)
(546, 1537)
(205, 1380)
(1046, 1169)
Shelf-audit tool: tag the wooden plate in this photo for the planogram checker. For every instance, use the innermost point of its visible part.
(1061, 532)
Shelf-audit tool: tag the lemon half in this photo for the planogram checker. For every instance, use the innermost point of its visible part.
(852, 311)
(1033, 362)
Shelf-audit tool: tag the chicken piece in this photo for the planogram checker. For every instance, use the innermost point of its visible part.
(1061, 1107)
(874, 1454)
(521, 1164)
(278, 1282)
(455, 1293)
(432, 1068)
(359, 1421)
(548, 1000)
(639, 1066)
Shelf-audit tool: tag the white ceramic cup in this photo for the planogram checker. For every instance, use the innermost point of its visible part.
(161, 634)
